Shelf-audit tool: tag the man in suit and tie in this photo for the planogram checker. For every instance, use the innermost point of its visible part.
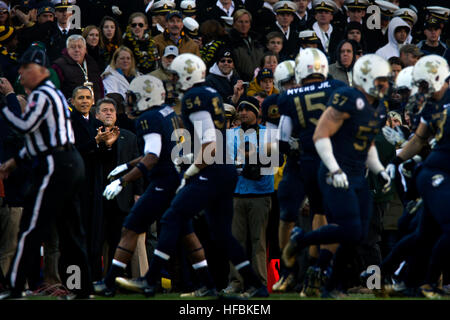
(90, 140)
(122, 149)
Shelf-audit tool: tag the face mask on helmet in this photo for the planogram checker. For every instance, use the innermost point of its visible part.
(132, 100)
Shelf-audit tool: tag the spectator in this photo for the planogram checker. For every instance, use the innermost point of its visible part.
(191, 29)
(216, 9)
(110, 36)
(406, 14)
(5, 18)
(158, 13)
(94, 45)
(214, 38)
(396, 67)
(409, 55)
(120, 72)
(137, 38)
(223, 77)
(342, 69)
(387, 9)
(263, 82)
(90, 142)
(309, 39)
(253, 191)
(275, 42)
(121, 150)
(354, 32)
(163, 73)
(189, 8)
(269, 60)
(175, 36)
(8, 59)
(323, 13)
(432, 43)
(398, 33)
(75, 68)
(285, 12)
(247, 50)
(263, 17)
(303, 18)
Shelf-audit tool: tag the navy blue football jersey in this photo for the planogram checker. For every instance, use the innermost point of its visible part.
(436, 115)
(203, 98)
(269, 110)
(352, 141)
(163, 121)
(304, 105)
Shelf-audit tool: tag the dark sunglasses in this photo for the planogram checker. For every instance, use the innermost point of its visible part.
(4, 12)
(226, 61)
(134, 25)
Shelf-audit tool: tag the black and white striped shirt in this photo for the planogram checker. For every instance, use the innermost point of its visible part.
(45, 123)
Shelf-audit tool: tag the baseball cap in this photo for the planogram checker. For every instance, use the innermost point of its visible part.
(264, 74)
(170, 51)
(34, 54)
(3, 6)
(174, 13)
(45, 7)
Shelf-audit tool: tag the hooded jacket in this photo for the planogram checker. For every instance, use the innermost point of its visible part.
(224, 84)
(392, 49)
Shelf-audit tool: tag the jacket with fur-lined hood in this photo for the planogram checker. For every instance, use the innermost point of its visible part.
(392, 49)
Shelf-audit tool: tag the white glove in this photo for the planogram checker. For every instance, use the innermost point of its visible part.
(390, 170)
(187, 159)
(338, 179)
(393, 136)
(116, 10)
(113, 189)
(294, 143)
(182, 184)
(385, 176)
(118, 170)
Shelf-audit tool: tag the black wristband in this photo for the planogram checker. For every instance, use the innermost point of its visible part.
(123, 183)
(142, 168)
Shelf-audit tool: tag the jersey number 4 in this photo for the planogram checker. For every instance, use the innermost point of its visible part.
(310, 107)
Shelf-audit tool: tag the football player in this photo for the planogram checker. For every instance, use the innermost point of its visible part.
(154, 126)
(430, 74)
(300, 109)
(206, 185)
(343, 139)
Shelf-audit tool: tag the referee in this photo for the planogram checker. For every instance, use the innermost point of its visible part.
(58, 171)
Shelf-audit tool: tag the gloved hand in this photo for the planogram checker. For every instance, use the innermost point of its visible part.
(183, 161)
(118, 170)
(406, 168)
(294, 143)
(116, 10)
(392, 167)
(384, 178)
(338, 179)
(113, 189)
(393, 136)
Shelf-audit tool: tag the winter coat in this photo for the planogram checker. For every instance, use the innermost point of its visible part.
(115, 81)
(222, 83)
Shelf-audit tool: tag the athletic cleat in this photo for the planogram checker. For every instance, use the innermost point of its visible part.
(290, 251)
(284, 284)
(139, 285)
(230, 290)
(431, 293)
(253, 292)
(313, 282)
(202, 292)
(333, 294)
(101, 289)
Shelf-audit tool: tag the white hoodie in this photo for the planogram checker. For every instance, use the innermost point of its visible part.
(392, 49)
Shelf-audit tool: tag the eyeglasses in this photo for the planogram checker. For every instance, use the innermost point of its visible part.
(226, 61)
(134, 25)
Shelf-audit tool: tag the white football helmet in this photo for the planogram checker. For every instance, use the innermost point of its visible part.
(368, 68)
(284, 72)
(405, 78)
(433, 70)
(189, 68)
(310, 61)
(145, 92)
